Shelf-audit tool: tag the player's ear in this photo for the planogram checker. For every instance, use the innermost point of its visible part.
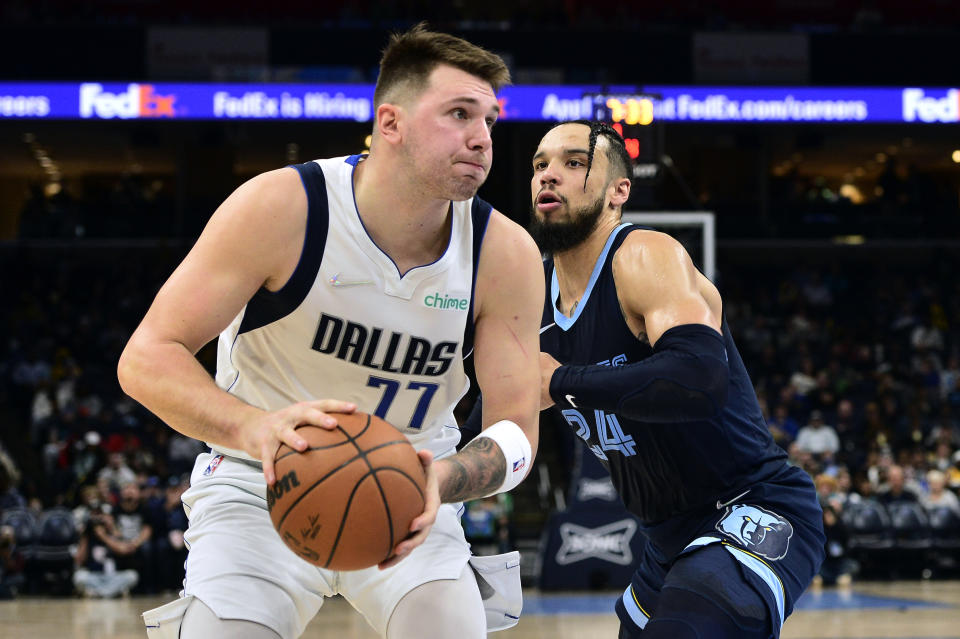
(619, 191)
(388, 122)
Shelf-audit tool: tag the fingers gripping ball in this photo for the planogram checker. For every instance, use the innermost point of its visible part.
(349, 499)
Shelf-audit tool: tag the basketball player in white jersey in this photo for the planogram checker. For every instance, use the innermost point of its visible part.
(348, 284)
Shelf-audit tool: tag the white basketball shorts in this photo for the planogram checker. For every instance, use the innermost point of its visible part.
(241, 569)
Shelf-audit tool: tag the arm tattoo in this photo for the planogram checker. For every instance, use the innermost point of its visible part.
(477, 470)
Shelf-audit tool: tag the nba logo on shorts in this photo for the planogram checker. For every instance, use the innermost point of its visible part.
(212, 466)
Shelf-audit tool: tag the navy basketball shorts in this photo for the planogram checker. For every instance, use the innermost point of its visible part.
(741, 571)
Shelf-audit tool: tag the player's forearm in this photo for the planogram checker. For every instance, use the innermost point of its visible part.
(476, 471)
(685, 380)
(168, 380)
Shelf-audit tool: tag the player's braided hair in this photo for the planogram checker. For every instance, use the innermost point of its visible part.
(620, 162)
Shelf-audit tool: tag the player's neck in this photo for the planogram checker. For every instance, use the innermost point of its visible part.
(575, 266)
(408, 226)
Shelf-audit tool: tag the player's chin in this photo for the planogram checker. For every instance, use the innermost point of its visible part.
(464, 188)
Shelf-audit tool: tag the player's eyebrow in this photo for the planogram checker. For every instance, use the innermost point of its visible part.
(495, 108)
(539, 154)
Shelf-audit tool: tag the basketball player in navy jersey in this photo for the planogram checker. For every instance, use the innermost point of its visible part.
(353, 283)
(639, 360)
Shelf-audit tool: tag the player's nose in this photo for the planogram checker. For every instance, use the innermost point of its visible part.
(480, 139)
(549, 174)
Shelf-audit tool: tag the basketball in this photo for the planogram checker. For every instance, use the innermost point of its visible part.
(349, 498)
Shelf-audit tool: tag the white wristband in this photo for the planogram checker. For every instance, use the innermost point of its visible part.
(516, 450)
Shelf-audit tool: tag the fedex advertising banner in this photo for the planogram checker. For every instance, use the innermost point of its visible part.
(212, 101)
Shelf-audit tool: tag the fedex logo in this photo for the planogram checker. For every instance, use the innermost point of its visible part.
(138, 101)
(916, 105)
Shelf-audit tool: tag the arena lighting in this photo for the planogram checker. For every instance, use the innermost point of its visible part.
(216, 101)
(955, 156)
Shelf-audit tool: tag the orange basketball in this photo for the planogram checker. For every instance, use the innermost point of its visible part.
(349, 498)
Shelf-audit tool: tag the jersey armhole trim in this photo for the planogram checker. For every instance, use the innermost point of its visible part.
(480, 211)
(266, 307)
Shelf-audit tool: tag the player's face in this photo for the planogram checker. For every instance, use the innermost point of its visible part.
(448, 143)
(565, 209)
(559, 170)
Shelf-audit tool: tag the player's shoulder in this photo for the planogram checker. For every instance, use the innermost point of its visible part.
(644, 249)
(650, 241)
(507, 240)
(273, 190)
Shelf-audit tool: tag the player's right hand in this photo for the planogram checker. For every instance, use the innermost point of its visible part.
(271, 429)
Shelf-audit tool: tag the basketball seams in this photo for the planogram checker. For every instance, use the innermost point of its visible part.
(356, 487)
(361, 454)
(350, 439)
(400, 477)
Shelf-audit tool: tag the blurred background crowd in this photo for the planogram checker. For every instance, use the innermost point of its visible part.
(837, 256)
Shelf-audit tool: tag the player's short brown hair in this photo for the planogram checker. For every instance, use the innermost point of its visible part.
(410, 58)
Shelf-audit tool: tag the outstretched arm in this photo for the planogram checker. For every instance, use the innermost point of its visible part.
(663, 296)
(509, 299)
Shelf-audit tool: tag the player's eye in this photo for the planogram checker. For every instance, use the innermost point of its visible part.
(460, 114)
(575, 163)
(491, 122)
(539, 166)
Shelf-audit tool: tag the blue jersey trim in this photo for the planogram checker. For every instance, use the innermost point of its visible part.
(765, 573)
(266, 306)
(637, 614)
(564, 322)
(480, 212)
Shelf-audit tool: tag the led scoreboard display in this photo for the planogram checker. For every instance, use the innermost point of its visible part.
(632, 115)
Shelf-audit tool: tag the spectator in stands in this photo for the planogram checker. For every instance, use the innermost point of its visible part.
(96, 574)
(804, 380)
(953, 473)
(937, 496)
(944, 429)
(896, 489)
(877, 431)
(132, 541)
(845, 491)
(171, 549)
(88, 457)
(837, 568)
(11, 564)
(105, 495)
(116, 472)
(89, 504)
(782, 426)
(487, 525)
(817, 438)
(182, 452)
(10, 496)
(828, 491)
(940, 458)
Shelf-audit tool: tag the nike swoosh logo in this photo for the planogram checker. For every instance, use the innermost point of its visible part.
(336, 281)
(569, 398)
(722, 505)
(546, 327)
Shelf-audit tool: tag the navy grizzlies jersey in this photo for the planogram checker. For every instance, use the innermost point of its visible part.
(660, 470)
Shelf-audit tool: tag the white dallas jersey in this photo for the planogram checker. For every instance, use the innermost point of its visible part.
(348, 326)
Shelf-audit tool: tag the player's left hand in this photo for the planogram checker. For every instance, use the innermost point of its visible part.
(547, 367)
(419, 527)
